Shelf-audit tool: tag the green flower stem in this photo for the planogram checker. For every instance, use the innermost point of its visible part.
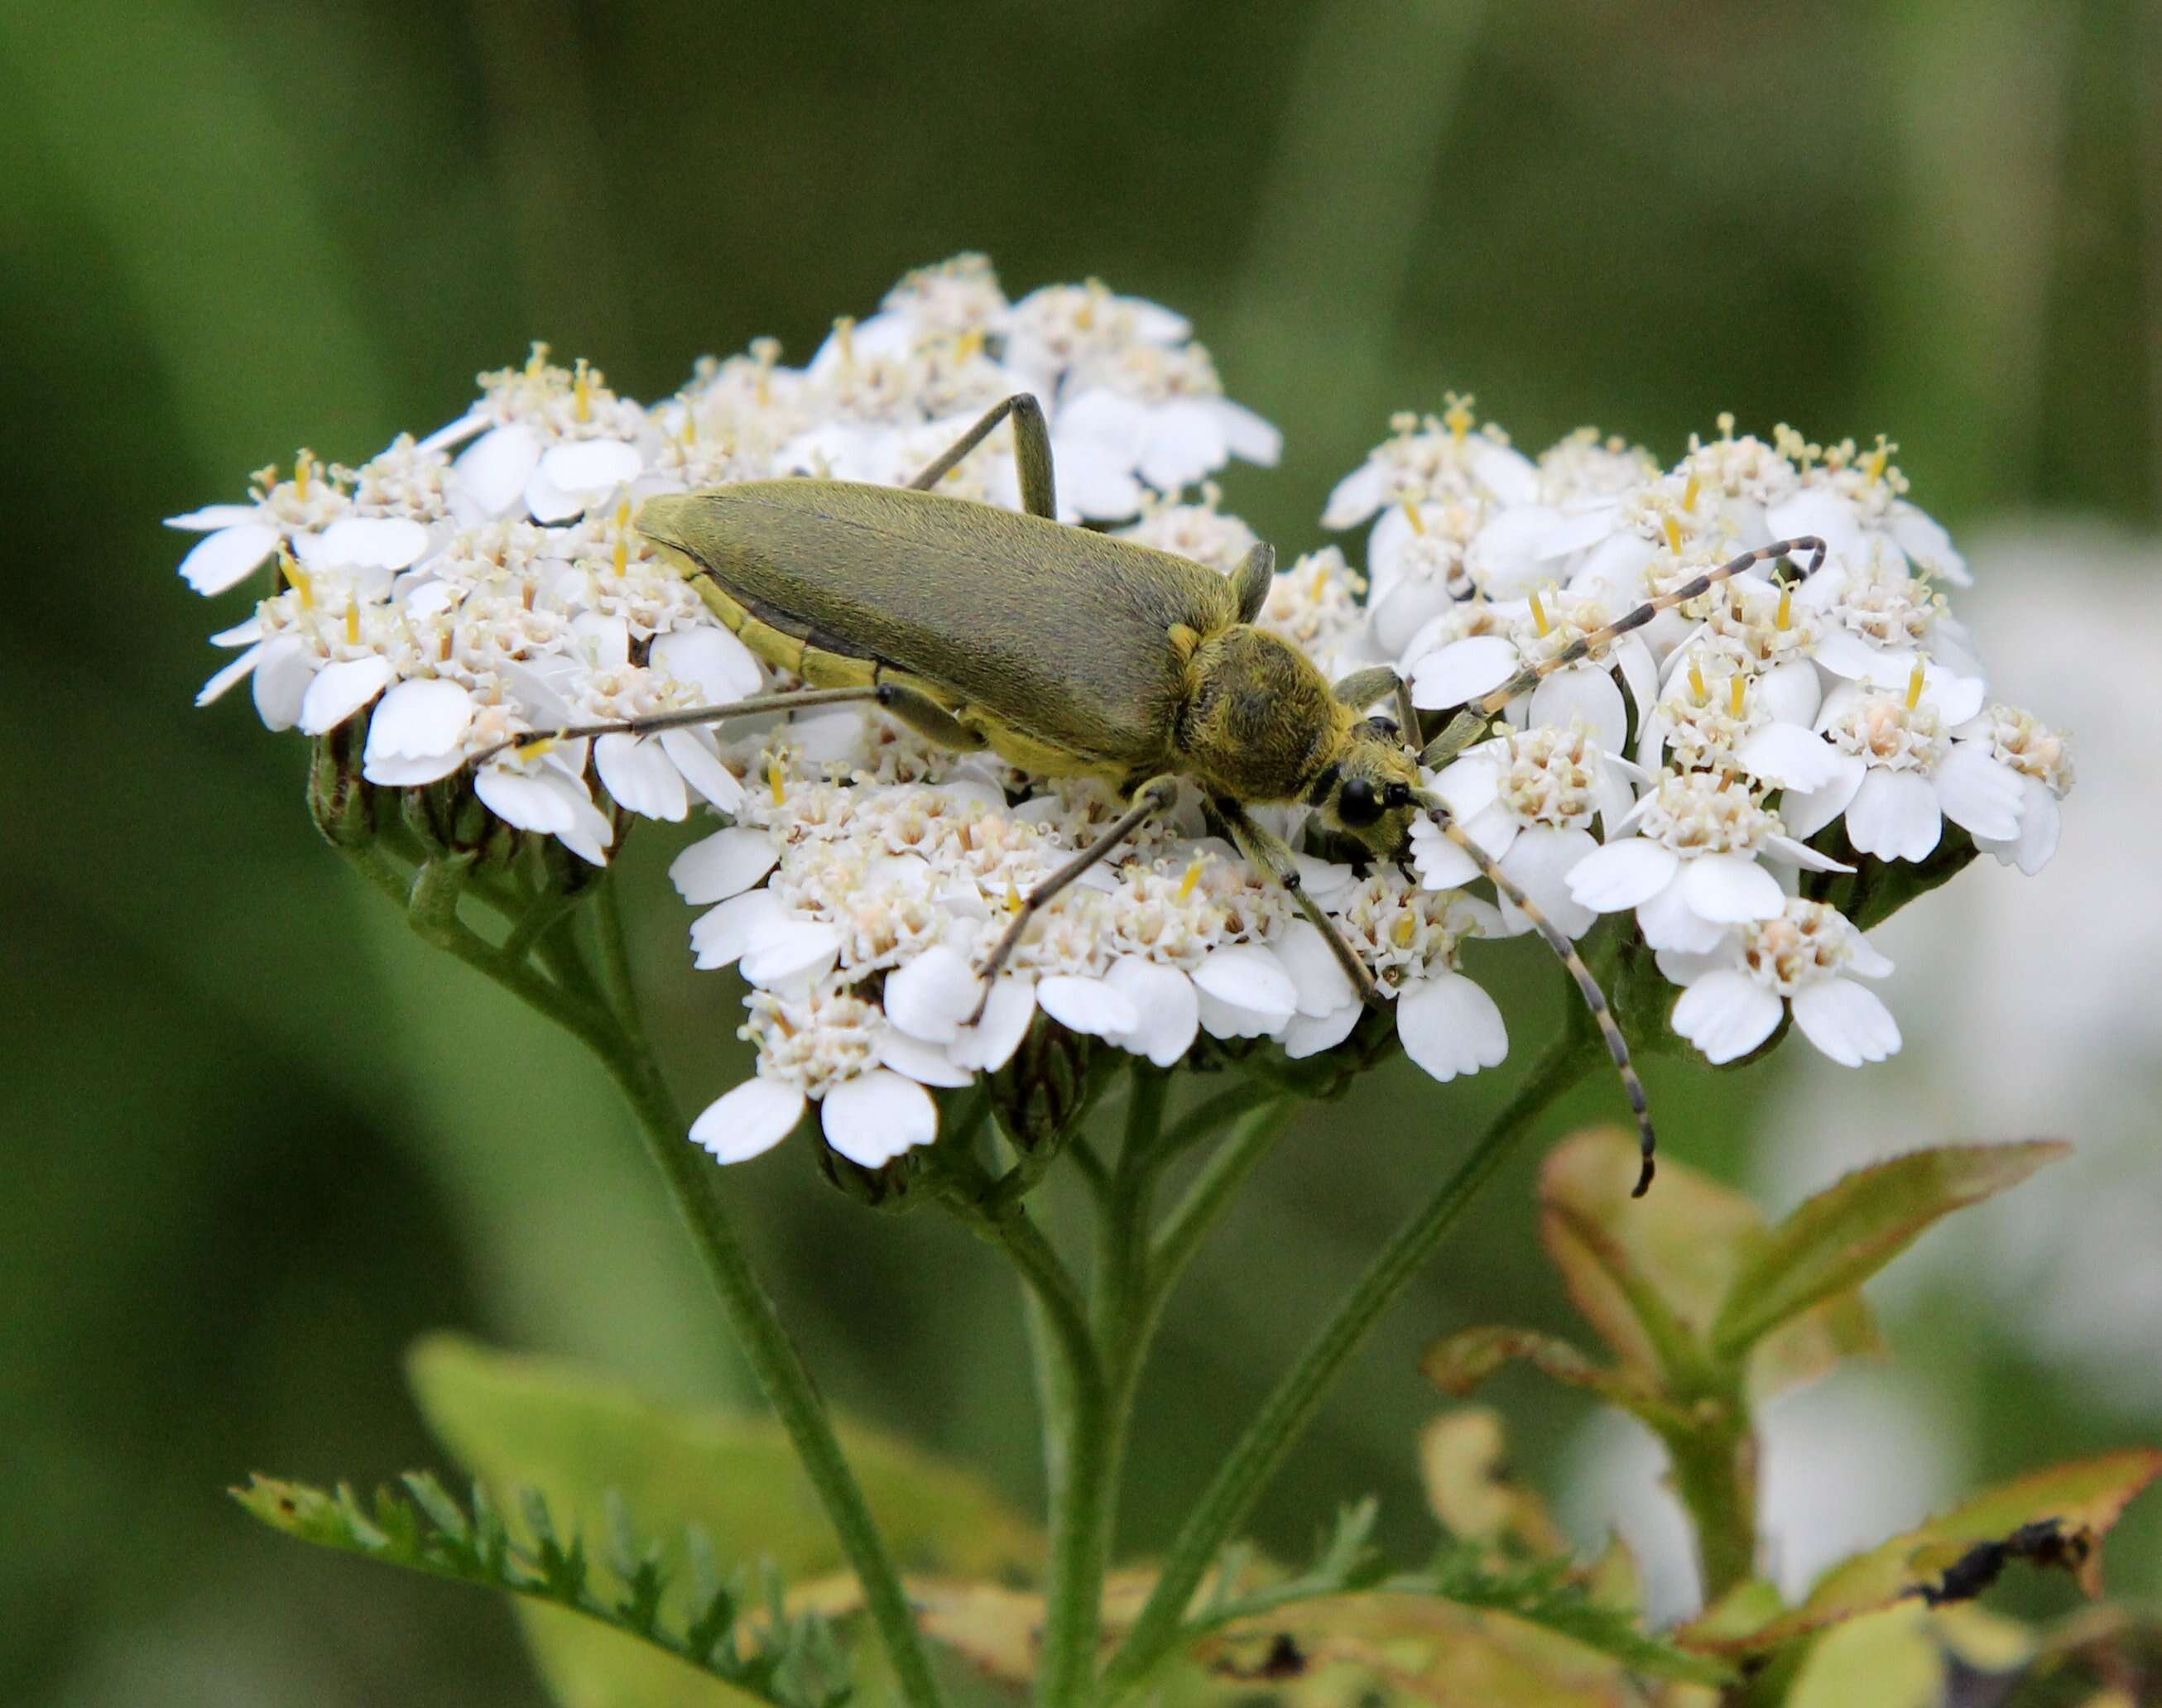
(1085, 1508)
(1288, 1412)
(616, 1039)
(1715, 1476)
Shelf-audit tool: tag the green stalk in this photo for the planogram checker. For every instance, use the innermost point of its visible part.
(1289, 1410)
(1084, 1508)
(618, 1042)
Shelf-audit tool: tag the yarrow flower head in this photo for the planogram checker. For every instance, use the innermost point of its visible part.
(474, 625)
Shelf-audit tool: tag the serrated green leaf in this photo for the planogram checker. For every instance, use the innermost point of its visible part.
(578, 1438)
(1847, 1232)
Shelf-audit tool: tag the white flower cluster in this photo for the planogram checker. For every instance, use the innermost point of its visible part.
(487, 582)
(1755, 716)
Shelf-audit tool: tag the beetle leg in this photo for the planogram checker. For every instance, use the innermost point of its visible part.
(1362, 688)
(1270, 851)
(1558, 939)
(1465, 727)
(929, 719)
(1039, 494)
(1157, 795)
(800, 701)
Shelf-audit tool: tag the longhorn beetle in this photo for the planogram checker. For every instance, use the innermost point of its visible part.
(1072, 653)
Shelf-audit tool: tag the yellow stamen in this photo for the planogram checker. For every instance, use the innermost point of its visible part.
(1915, 687)
(1540, 615)
(1735, 696)
(968, 347)
(1674, 533)
(1412, 515)
(533, 749)
(1013, 897)
(623, 537)
(302, 466)
(1404, 930)
(775, 780)
(690, 434)
(1191, 882)
(1696, 682)
(1785, 619)
(1689, 493)
(1874, 464)
(765, 388)
(1726, 426)
(537, 359)
(1320, 584)
(582, 392)
(1458, 417)
(844, 329)
(296, 579)
(352, 623)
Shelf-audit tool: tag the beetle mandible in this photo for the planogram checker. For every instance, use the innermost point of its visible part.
(943, 610)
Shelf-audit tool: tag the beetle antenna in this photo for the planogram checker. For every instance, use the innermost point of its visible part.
(1466, 726)
(1558, 939)
(799, 700)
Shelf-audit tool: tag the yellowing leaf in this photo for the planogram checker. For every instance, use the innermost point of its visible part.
(532, 1423)
(2082, 1500)
(1847, 1232)
(1464, 1461)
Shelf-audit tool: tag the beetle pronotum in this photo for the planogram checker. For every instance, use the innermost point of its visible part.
(1070, 653)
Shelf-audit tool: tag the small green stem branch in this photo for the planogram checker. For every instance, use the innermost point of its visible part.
(1714, 1475)
(1291, 1407)
(602, 1016)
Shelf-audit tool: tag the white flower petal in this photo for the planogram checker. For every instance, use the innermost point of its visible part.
(1669, 923)
(1977, 793)
(931, 996)
(493, 470)
(371, 541)
(1356, 498)
(280, 681)
(1450, 1026)
(1725, 1014)
(228, 557)
(926, 1064)
(1539, 861)
(791, 950)
(1166, 1009)
(1788, 755)
(1247, 435)
(1309, 1034)
(1894, 816)
(2039, 821)
(1440, 863)
(1730, 888)
(232, 673)
(1623, 874)
(1462, 671)
(873, 1118)
(1804, 812)
(1086, 1005)
(721, 667)
(1323, 986)
(748, 1120)
(1586, 691)
(591, 466)
(724, 864)
(640, 777)
(1250, 977)
(702, 768)
(214, 516)
(423, 718)
(988, 1046)
(1508, 473)
(341, 690)
(1846, 1021)
(1864, 959)
(530, 800)
(1792, 692)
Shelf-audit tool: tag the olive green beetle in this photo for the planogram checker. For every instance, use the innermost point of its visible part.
(1071, 652)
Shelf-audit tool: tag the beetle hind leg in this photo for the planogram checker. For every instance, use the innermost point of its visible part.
(1264, 848)
(1039, 492)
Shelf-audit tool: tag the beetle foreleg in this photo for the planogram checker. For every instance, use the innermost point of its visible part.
(1558, 939)
(1268, 851)
(1157, 795)
(1039, 492)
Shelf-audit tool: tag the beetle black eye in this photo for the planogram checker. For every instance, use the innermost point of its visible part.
(1357, 804)
(1396, 795)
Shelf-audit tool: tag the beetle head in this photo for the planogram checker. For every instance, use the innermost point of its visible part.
(1366, 791)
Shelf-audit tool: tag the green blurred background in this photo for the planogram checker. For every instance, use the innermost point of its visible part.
(257, 1138)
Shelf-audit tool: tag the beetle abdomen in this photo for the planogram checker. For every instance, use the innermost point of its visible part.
(1057, 632)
